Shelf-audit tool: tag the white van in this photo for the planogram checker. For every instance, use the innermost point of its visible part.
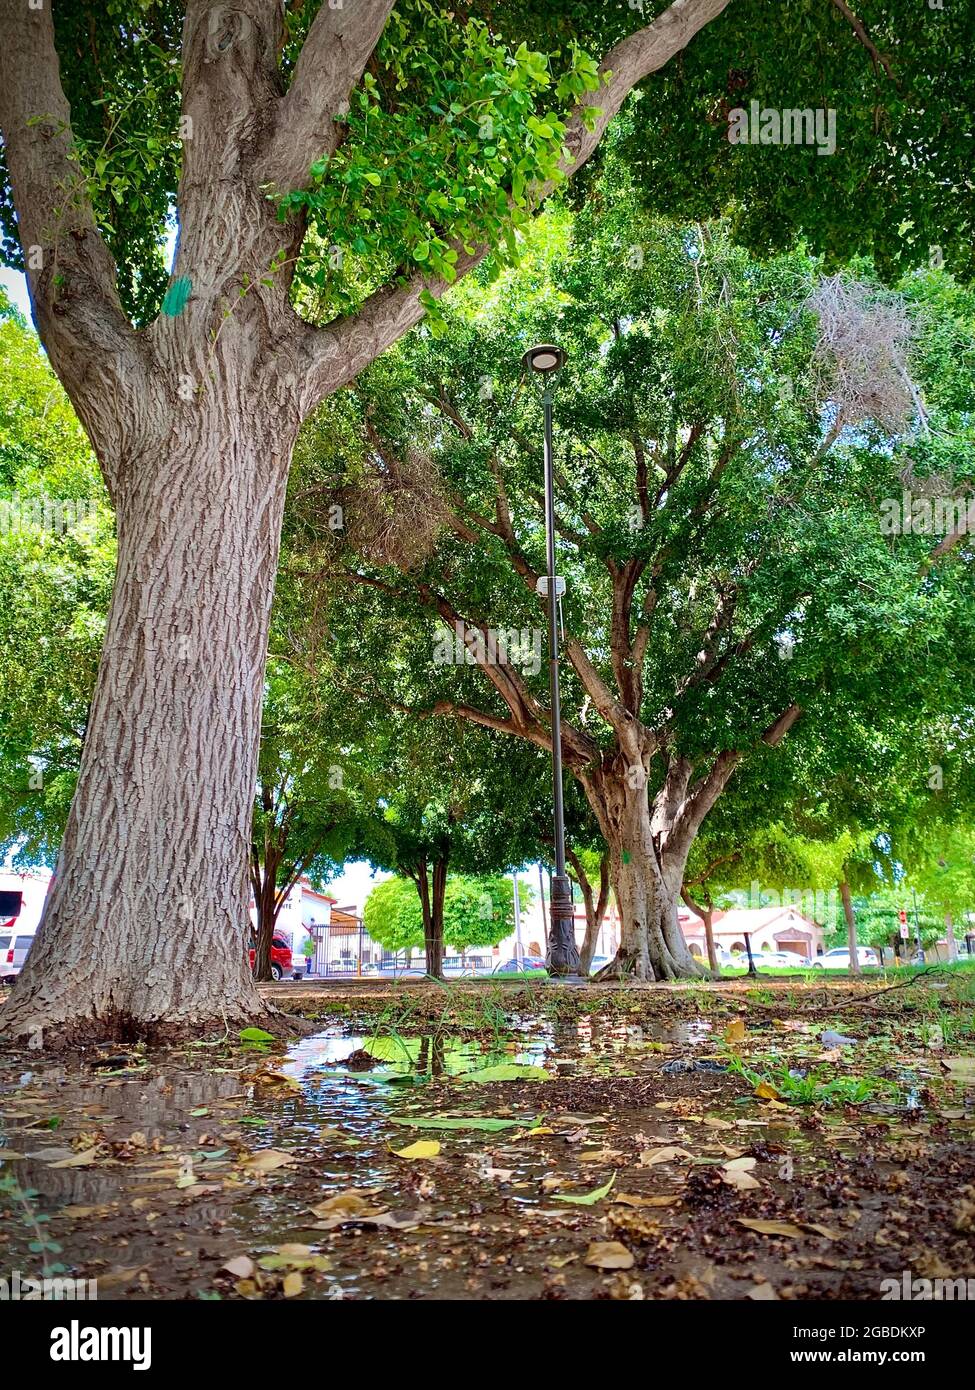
(22, 895)
(14, 946)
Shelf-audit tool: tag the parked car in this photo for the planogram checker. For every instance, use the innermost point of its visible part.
(780, 959)
(281, 958)
(397, 969)
(14, 946)
(839, 958)
(520, 966)
(597, 964)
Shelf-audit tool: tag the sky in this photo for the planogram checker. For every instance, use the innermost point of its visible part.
(355, 884)
(15, 284)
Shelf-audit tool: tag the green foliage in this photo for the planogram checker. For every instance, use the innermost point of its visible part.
(444, 146)
(699, 442)
(870, 196)
(57, 561)
(477, 912)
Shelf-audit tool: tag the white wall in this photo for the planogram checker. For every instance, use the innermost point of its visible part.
(33, 884)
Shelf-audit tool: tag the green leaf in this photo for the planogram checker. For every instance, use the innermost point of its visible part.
(255, 1035)
(507, 1071)
(586, 1199)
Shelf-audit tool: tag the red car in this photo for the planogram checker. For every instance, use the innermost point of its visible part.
(280, 958)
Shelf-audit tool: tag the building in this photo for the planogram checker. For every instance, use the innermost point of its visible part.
(768, 928)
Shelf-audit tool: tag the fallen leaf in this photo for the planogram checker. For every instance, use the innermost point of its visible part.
(735, 1173)
(820, 1230)
(763, 1293)
(770, 1228)
(351, 1203)
(506, 1071)
(273, 1263)
(79, 1213)
(241, 1267)
(628, 1199)
(609, 1254)
(735, 1031)
(423, 1148)
(668, 1154)
(267, 1160)
(79, 1160)
(586, 1199)
(765, 1091)
(293, 1284)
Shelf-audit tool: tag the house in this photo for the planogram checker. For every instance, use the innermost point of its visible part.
(303, 908)
(782, 928)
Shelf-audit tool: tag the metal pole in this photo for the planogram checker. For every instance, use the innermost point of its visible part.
(917, 929)
(519, 950)
(751, 958)
(563, 955)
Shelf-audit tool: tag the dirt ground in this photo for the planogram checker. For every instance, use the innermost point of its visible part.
(516, 1142)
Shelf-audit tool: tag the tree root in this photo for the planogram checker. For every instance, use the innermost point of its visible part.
(79, 1033)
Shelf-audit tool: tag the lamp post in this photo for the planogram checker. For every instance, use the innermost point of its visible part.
(547, 360)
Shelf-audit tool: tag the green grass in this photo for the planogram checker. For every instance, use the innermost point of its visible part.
(817, 1087)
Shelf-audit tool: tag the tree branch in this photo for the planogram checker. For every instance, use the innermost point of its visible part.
(70, 270)
(859, 28)
(335, 354)
(330, 64)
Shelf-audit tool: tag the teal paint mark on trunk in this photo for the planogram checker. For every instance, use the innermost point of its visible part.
(177, 296)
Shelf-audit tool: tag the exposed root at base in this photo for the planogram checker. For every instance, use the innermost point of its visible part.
(624, 970)
(79, 1033)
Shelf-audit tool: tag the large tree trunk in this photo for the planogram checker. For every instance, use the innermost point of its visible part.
(147, 918)
(851, 927)
(646, 884)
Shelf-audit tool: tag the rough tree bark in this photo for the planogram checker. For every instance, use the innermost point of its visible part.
(193, 422)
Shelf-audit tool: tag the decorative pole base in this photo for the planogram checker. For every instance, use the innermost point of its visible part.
(563, 956)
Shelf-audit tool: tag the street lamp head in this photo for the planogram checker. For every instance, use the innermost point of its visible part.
(544, 358)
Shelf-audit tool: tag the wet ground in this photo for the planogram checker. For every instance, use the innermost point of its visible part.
(699, 1145)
